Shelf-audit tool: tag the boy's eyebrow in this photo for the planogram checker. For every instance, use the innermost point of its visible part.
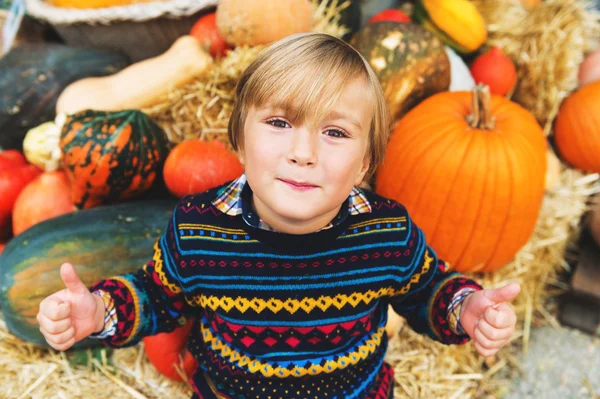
(268, 109)
(341, 115)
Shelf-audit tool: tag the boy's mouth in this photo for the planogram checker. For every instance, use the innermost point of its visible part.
(298, 184)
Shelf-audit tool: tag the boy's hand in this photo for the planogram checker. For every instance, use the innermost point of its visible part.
(489, 319)
(71, 314)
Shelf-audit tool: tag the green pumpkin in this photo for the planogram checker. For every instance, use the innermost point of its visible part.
(410, 62)
(111, 156)
(100, 243)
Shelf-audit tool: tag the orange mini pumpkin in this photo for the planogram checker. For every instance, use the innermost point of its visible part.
(205, 30)
(46, 197)
(496, 70)
(195, 166)
(470, 169)
(168, 350)
(577, 128)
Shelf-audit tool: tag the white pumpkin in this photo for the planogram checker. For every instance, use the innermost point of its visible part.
(460, 76)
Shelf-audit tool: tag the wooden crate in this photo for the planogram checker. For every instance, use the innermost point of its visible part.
(580, 306)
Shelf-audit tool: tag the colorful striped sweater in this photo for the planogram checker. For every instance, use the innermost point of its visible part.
(285, 316)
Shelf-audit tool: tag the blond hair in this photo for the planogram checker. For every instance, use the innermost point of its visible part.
(304, 74)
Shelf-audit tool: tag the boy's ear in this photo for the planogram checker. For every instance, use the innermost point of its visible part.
(240, 155)
(363, 170)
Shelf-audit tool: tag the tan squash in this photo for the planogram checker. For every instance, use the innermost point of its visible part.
(254, 22)
(140, 85)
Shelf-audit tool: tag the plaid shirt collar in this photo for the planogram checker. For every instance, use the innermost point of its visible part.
(234, 199)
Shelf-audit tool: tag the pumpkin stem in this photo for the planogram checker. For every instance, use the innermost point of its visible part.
(481, 116)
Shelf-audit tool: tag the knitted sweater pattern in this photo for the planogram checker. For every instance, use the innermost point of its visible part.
(278, 315)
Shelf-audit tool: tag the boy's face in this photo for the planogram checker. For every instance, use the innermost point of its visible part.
(301, 174)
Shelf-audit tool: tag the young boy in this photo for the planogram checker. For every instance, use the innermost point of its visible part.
(289, 270)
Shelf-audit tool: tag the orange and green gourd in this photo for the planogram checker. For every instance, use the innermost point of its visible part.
(111, 156)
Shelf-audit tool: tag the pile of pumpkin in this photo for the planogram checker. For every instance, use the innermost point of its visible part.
(469, 165)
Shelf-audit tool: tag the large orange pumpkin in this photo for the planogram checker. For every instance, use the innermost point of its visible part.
(577, 128)
(470, 169)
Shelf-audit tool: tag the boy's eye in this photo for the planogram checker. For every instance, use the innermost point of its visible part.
(336, 133)
(279, 123)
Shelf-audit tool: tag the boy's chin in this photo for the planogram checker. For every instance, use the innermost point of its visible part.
(294, 216)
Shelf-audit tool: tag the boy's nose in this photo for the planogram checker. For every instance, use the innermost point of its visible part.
(303, 149)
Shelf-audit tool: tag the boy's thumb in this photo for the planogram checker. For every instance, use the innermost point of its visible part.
(504, 294)
(71, 279)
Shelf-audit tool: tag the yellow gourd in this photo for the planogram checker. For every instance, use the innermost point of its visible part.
(140, 85)
(456, 22)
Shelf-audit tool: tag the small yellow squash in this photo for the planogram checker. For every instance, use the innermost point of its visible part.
(456, 22)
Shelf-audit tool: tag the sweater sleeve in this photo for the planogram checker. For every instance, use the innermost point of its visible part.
(425, 298)
(146, 302)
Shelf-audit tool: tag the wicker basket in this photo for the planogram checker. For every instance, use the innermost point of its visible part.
(140, 30)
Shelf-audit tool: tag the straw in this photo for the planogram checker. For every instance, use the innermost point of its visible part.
(423, 368)
(547, 44)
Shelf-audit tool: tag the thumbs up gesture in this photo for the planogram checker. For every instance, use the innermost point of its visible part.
(71, 314)
(488, 318)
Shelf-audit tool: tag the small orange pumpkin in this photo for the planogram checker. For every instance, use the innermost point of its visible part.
(205, 30)
(496, 70)
(254, 22)
(195, 166)
(167, 350)
(577, 128)
(470, 168)
(48, 196)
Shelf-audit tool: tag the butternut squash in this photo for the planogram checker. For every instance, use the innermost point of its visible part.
(140, 85)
